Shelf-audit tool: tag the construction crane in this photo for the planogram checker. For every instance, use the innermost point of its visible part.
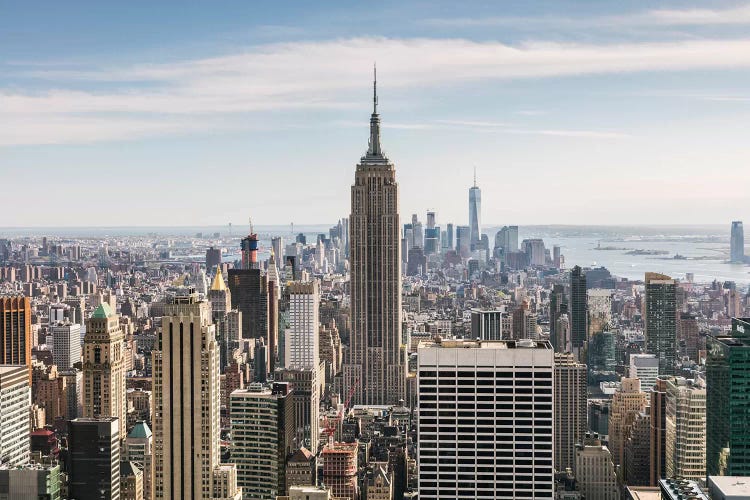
(332, 422)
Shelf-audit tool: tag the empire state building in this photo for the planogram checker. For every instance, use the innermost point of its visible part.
(376, 363)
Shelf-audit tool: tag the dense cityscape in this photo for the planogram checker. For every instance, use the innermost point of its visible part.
(375, 361)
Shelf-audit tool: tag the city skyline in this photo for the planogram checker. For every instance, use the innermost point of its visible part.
(640, 98)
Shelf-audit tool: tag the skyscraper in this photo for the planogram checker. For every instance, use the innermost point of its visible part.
(685, 429)
(727, 387)
(15, 331)
(570, 409)
(186, 404)
(301, 343)
(262, 426)
(94, 463)
(475, 213)
(737, 243)
(627, 402)
(249, 294)
(661, 320)
(595, 472)
(376, 364)
(15, 407)
(578, 308)
(104, 393)
(468, 420)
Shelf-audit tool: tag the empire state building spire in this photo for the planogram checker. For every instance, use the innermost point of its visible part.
(374, 149)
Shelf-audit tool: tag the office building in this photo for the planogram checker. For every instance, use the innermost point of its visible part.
(685, 429)
(139, 451)
(509, 449)
(186, 404)
(463, 241)
(558, 305)
(213, 258)
(638, 451)
(737, 243)
(262, 426)
(30, 482)
(301, 342)
(570, 409)
(657, 431)
(475, 213)
(688, 337)
(15, 410)
(94, 458)
(449, 236)
(536, 254)
(627, 402)
(727, 387)
(660, 320)
(249, 295)
(644, 367)
(305, 385)
(104, 393)
(507, 239)
(578, 308)
(595, 472)
(488, 325)
(15, 331)
(599, 306)
(66, 343)
(131, 481)
(301, 469)
(376, 362)
(602, 360)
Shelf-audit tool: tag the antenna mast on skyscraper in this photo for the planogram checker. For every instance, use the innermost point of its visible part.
(475, 176)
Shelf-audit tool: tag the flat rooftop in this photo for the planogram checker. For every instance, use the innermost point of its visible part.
(489, 344)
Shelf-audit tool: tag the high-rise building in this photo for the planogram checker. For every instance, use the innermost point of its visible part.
(578, 308)
(463, 241)
(475, 213)
(94, 458)
(595, 472)
(689, 339)
(302, 344)
(213, 258)
(507, 239)
(660, 324)
(186, 404)
(602, 358)
(657, 431)
(262, 426)
(376, 361)
(627, 402)
(15, 331)
(638, 451)
(66, 343)
(249, 295)
(104, 392)
(305, 386)
(644, 367)
(15, 410)
(139, 450)
(449, 236)
(737, 243)
(599, 305)
(558, 305)
(686, 429)
(220, 299)
(488, 325)
(507, 448)
(570, 409)
(727, 387)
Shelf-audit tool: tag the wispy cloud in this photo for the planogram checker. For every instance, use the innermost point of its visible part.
(173, 97)
(737, 15)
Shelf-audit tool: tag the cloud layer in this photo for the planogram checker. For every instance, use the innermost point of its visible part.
(185, 96)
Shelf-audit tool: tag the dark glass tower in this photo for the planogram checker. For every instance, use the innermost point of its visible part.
(578, 307)
(727, 403)
(661, 320)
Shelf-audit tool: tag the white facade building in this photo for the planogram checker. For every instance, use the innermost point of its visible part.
(15, 410)
(66, 344)
(485, 419)
(646, 368)
(302, 343)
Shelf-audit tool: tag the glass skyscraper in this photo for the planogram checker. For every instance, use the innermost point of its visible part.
(475, 213)
(737, 243)
(727, 403)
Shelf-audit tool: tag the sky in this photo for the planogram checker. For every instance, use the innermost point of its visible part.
(165, 113)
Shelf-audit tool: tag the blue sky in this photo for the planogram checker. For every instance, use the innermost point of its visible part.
(201, 113)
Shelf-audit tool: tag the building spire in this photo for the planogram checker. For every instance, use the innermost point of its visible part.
(374, 89)
(374, 145)
(475, 176)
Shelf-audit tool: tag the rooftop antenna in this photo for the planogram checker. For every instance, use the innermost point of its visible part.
(250, 221)
(475, 176)
(374, 88)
